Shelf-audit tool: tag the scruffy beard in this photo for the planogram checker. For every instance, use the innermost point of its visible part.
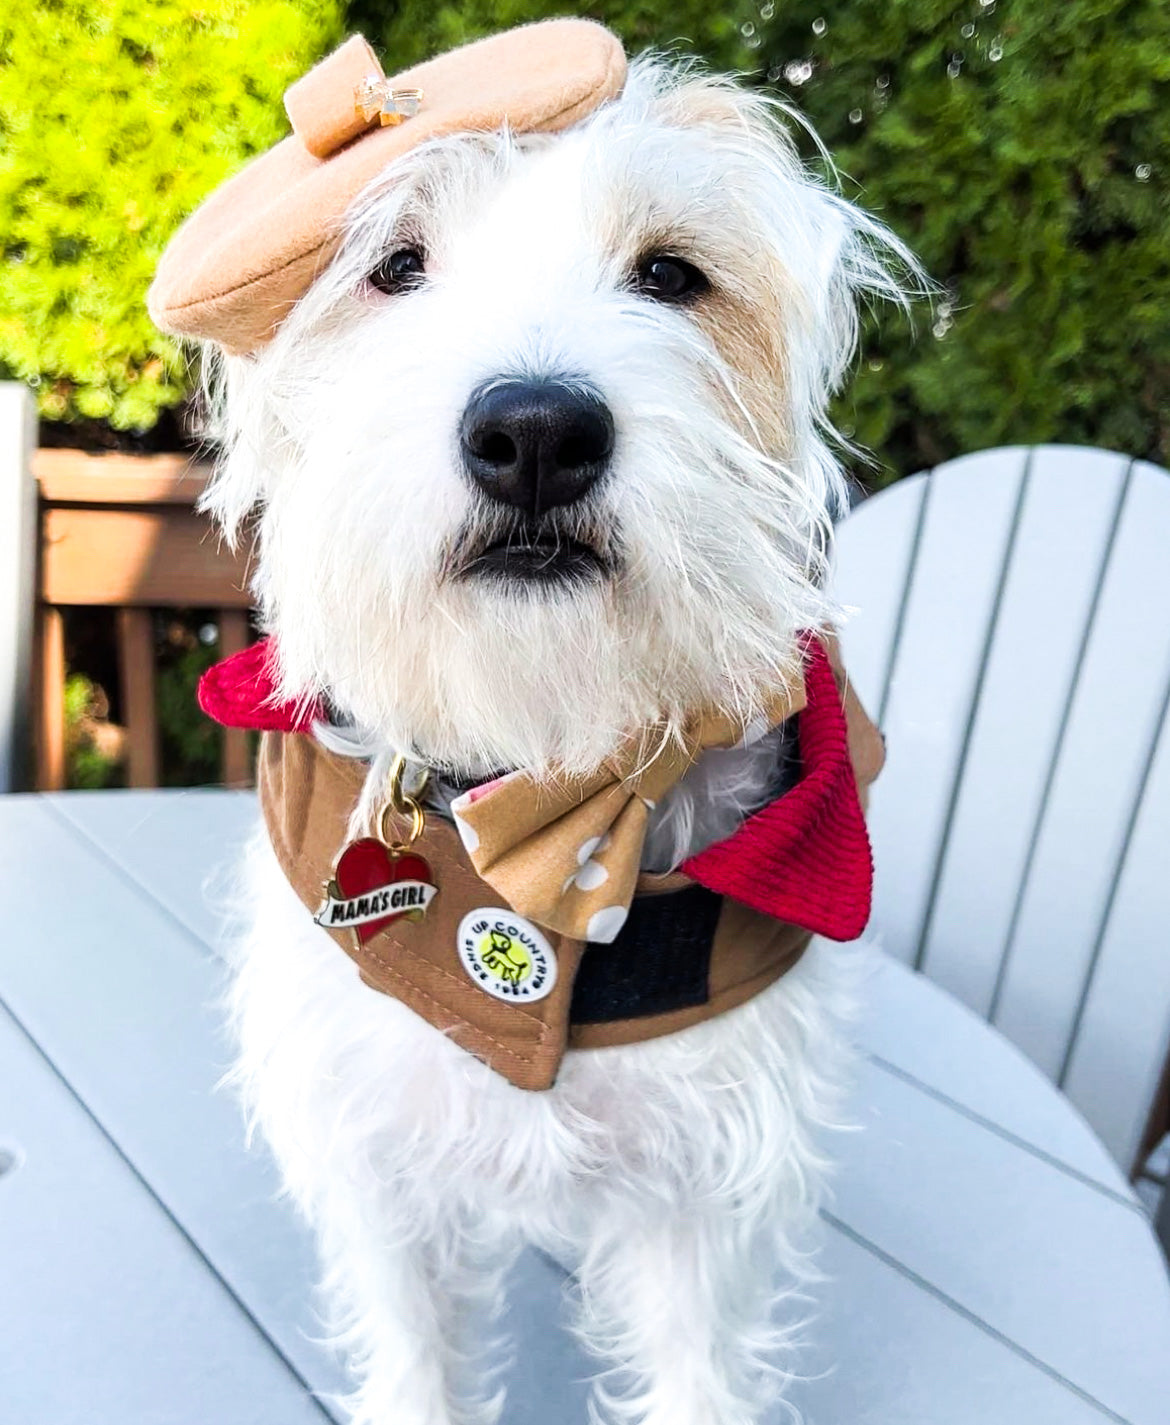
(479, 672)
(705, 571)
(702, 549)
(548, 681)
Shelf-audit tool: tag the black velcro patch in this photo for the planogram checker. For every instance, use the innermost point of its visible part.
(660, 960)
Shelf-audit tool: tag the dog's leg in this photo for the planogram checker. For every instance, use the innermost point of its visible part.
(685, 1304)
(418, 1313)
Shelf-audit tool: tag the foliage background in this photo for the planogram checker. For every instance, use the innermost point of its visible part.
(115, 119)
(1019, 146)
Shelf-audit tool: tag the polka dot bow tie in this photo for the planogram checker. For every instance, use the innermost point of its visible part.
(568, 854)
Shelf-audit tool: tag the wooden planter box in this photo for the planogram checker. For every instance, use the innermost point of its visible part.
(120, 531)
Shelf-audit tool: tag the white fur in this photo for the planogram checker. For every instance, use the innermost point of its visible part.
(681, 1175)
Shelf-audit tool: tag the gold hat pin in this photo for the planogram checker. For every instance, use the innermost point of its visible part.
(392, 106)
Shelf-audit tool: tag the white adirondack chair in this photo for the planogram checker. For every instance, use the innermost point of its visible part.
(1012, 638)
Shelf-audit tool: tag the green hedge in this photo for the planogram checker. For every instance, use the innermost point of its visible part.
(1019, 146)
(1022, 148)
(415, 29)
(115, 119)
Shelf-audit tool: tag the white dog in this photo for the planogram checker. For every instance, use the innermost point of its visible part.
(540, 458)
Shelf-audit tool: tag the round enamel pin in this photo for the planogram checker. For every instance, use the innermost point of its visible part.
(506, 955)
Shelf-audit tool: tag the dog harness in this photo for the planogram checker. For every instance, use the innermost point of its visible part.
(473, 926)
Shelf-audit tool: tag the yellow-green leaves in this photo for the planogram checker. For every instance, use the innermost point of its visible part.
(116, 118)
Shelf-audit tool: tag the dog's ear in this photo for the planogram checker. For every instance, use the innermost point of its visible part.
(757, 132)
(235, 421)
(834, 252)
(806, 233)
(704, 101)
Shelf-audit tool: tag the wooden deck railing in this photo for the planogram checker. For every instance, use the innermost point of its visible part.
(121, 532)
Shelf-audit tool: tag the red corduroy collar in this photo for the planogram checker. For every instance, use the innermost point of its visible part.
(804, 859)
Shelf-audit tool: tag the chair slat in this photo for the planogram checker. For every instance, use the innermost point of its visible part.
(1066, 523)
(1112, 724)
(875, 556)
(1022, 826)
(966, 530)
(1123, 1037)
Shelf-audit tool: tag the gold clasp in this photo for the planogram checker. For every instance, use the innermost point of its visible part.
(401, 803)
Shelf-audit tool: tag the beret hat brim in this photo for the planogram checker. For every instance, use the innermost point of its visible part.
(243, 258)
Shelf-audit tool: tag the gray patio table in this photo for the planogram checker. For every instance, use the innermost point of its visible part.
(984, 1259)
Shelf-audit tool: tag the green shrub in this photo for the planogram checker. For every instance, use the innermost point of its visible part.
(1023, 150)
(116, 117)
(190, 744)
(413, 30)
(93, 757)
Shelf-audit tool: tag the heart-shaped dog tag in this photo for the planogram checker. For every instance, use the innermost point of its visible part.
(373, 886)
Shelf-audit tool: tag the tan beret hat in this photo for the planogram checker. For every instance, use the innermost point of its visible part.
(236, 266)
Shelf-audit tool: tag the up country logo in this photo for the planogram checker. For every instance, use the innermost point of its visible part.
(506, 955)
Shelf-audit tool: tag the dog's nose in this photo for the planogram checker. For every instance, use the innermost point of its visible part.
(536, 444)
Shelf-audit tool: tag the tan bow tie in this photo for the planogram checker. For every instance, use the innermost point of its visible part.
(567, 853)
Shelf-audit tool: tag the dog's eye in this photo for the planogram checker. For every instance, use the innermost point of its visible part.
(669, 279)
(399, 272)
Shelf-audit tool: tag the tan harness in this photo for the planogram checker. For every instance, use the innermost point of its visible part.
(685, 955)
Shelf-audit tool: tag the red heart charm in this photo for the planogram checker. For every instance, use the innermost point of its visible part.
(365, 869)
